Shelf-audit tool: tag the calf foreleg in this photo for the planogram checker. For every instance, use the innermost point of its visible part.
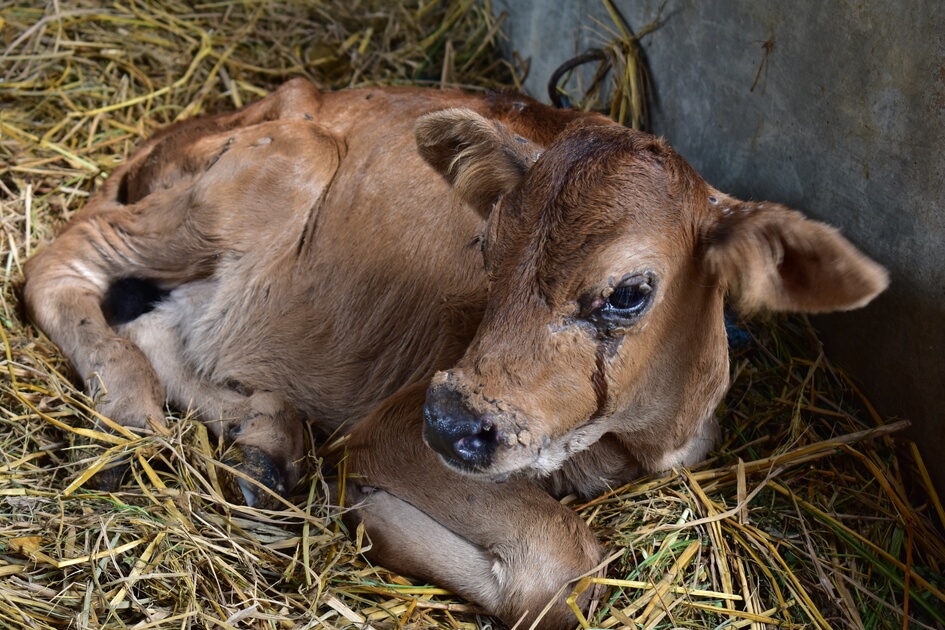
(264, 435)
(509, 547)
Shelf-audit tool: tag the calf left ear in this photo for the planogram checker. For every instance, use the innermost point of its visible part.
(481, 158)
(770, 257)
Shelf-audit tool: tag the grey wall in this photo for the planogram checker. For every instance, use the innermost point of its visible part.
(847, 123)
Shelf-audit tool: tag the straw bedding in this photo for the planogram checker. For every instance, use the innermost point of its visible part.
(813, 513)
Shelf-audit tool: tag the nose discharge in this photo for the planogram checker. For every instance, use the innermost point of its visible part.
(463, 438)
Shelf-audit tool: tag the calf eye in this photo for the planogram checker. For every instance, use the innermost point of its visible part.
(629, 299)
(623, 306)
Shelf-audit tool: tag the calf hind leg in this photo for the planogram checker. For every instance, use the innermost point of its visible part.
(62, 299)
(161, 235)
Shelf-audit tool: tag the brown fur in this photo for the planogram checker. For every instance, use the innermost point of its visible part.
(320, 253)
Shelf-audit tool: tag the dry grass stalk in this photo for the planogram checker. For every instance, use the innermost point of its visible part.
(619, 85)
(812, 515)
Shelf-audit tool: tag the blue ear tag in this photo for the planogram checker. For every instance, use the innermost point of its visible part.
(738, 338)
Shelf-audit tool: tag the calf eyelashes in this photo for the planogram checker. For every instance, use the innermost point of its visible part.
(620, 307)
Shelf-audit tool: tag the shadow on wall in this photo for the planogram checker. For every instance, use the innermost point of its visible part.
(895, 349)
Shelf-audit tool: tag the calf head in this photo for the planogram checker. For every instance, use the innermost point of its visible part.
(608, 260)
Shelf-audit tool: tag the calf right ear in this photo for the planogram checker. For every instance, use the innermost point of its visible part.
(772, 258)
(481, 158)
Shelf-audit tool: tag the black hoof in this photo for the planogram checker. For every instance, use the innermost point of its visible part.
(256, 465)
(109, 478)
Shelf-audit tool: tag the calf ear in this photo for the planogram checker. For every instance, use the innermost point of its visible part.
(773, 258)
(481, 158)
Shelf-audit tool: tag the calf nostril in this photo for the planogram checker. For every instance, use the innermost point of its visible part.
(479, 446)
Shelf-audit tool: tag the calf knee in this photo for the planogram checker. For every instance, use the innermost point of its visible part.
(536, 581)
(523, 578)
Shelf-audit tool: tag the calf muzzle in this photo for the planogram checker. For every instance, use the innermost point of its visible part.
(464, 439)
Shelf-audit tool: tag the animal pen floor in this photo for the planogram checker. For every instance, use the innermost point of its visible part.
(812, 513)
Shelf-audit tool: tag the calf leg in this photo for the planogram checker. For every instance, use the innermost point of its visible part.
(152, 220)
(265, 436)
(66, 283)
(63, 298)
(509, 546)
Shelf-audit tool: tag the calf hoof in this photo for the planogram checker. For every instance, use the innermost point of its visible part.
(110, 478)
(257, 465)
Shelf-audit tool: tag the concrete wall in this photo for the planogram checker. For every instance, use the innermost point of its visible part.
(846, 122)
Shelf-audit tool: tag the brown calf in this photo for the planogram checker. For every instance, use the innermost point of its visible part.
(536, 294)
